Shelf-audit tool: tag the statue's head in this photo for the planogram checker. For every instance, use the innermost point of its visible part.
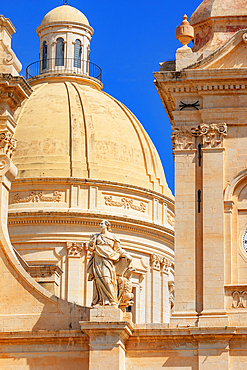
(104, 224)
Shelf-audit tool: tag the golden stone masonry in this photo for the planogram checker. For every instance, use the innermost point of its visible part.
(88, 273)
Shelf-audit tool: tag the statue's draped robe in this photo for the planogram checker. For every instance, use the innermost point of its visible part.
(101, 268)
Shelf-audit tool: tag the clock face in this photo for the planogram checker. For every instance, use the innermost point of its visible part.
(245, 241)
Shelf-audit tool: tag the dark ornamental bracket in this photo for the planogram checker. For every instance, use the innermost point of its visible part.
(193, 105)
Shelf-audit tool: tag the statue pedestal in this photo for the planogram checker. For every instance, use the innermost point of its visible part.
(108, 330)
(106, 314)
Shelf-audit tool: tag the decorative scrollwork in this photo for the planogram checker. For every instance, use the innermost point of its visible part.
(126, 203)
(183, 137)
(239, 299)
(37, 197)
(212, 135)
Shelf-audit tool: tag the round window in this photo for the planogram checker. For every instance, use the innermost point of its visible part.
(245, 241)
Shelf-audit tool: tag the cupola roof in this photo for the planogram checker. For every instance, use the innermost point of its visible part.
(69, 129)
(65, 13)
(215, 21)
(219, 8)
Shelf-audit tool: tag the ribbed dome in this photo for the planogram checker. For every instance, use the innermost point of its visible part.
(219, 8)
(65, 13)
(68, 129)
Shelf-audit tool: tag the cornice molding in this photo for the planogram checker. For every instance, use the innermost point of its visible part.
(86, 219)
(93, 182)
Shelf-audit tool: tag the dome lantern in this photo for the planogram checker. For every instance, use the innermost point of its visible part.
(65, 36)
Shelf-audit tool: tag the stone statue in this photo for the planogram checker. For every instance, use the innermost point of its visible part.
(109, 268)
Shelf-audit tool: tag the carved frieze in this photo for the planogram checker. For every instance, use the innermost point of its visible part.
(213, 134)
(239, 299)
(36, 197)
(7, 143)
(126, 203)
(74, 249)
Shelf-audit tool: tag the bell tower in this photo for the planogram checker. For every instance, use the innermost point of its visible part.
(205, 94)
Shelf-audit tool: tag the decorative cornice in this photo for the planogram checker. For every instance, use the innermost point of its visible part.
(123, 223)
(207, 87)
(137, 190)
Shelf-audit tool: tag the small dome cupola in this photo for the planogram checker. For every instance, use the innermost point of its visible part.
(65, 36)
(215, 21)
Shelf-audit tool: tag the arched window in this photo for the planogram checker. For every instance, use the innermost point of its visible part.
(77, 54)
(44, 55)
(60, 52)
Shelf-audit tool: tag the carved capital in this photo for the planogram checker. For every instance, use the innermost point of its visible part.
(165, 265)
(7, 143)
(155, 262)
(239, 299)
(183, 137)
(160, 263)
(74, 249)
(213, 134)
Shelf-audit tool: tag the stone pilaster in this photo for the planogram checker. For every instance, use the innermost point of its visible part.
(183, 139)
(213, 225)
(108, 330)
(75, 252)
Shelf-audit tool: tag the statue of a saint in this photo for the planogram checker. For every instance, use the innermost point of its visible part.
(109, 268)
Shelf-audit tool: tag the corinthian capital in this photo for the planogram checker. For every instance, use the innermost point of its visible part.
(183, 137)
(74, 249)
(213, 134)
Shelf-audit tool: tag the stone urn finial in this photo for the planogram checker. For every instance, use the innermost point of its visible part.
(185, 32)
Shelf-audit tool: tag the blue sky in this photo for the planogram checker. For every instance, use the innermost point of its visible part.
(130, 39)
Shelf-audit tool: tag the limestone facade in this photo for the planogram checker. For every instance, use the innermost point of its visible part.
(45, 315)
(82, 158)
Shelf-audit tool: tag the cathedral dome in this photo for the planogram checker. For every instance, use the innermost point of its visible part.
(215, 21)
(219, 8)
(70, 129)
(65, 13)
